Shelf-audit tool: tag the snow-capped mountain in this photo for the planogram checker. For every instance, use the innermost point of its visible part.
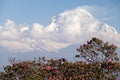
(66, 31)
(68, 28)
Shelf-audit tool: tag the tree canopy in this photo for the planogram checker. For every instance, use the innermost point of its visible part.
(101, 64)
(96, 50)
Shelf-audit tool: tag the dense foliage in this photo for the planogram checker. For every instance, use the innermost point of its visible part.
(94, 68)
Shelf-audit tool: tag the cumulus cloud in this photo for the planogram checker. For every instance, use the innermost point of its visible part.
(67, 28)
(9, 31)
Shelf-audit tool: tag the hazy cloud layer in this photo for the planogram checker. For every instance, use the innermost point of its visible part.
(67, 28)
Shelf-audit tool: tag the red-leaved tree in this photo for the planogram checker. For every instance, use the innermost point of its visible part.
(97, 51)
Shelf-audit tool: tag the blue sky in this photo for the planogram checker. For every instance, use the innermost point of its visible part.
(28, 11)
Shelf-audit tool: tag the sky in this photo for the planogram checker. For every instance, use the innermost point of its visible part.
(53, 28)
(28, 11)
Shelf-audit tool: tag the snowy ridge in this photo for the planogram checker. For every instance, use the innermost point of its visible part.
(68, 28)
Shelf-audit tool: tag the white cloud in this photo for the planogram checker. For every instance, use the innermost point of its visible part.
(69, 27)
(9, 31)
(24, 28)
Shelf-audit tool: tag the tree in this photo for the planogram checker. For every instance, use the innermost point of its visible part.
(103, 58)
(97, 51)
(97, 67)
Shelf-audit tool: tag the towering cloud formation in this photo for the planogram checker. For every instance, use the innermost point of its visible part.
(68, 28)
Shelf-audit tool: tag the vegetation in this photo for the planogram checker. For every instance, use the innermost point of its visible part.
(97, 51)
(101, 64)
